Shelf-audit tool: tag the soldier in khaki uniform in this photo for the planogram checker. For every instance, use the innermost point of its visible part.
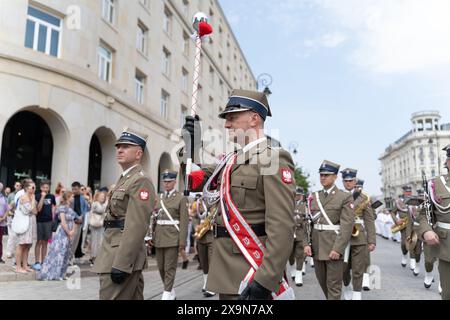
(170, 232)
(401, 209)
(437, 235)
(297, 258)
(122, 256)
(332, 212)
(412, 242)
(261, 185)
(363, 240)
(205, 242)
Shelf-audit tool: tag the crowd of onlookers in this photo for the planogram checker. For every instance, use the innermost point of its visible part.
(63, 227)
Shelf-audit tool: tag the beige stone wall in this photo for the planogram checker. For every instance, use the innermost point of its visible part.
(75, 103)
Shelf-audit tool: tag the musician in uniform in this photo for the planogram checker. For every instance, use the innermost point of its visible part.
(400, 216)
(205, 237)
(170, 232)
(332, 211)
(413, 243)
(297, 258)
(434, 225)
(253, 188)
(363, 238)
(123, 256)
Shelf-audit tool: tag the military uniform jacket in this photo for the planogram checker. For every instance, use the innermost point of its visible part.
(442, 195)
(262, 186)
(300, 222)
(367, 234)
(132, 200)
(339, 207)
(167, 236)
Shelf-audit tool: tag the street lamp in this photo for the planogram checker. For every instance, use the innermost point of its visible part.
(264, 80)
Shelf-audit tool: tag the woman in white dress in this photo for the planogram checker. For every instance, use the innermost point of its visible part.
(27, 205)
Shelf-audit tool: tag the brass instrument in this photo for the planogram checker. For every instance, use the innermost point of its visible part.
(397, 228)
(206, 226)
(358, 214)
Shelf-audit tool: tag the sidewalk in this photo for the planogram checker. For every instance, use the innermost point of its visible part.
(8, 274)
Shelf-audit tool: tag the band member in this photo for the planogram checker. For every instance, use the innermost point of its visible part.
(363, 238)
(332, 212)
(434, 225)
(170, 232)
(253, 189)
(297, 258)
(400, 215)
(204, 235)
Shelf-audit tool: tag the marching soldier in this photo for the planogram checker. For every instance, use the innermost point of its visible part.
(434, 225)
(332, 212)
(170, 232)
(123, 255)
(205, 237)
(401, 209)
(297, 258)
(255, 233)
(363, 240)
(413, 243)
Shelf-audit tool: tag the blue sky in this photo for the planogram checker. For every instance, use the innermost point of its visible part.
(347, 74)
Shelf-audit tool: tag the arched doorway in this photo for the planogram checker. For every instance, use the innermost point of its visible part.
(27, 149)
(165, 162)
(103, 168)
(95, 164)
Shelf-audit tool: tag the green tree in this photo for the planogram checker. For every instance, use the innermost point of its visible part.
(302, 179)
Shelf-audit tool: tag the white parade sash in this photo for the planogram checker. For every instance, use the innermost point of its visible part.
(347, 249)
(168, 214)
(431, 187)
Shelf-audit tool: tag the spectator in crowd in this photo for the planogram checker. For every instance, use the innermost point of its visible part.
(7, 192)
(12, 239)
(59, 190)
(98, 209)
(46, 204)
(57, 261)
(87, 193)
(81, 207)
(27, 206)
(4, 209)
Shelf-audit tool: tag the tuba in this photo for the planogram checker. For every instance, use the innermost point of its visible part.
(358, 214)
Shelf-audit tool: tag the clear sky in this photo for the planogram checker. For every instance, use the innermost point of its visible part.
(347, 74)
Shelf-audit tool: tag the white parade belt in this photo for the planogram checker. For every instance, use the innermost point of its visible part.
(443, 225)
(359, 221)
(326, 227)
(167, 222)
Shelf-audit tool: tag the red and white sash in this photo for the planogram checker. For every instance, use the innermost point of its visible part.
(244, 237)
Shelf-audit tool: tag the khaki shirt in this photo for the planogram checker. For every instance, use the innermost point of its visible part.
(300, 222)
(132, 200)
(167, 236)
(441, 251)
(339, 207)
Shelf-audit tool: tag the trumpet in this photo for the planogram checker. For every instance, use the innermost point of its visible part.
(397, 228)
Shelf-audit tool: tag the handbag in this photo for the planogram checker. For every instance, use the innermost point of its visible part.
(20, 222)
(96, 220)
(55, 223)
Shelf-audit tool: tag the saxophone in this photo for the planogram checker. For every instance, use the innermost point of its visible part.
(203, 228)
(358, 214)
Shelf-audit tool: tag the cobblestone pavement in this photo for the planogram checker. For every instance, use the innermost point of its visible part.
(396, 283)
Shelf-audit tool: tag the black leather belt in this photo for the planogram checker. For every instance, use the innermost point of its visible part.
(222, 232)
(114, 224)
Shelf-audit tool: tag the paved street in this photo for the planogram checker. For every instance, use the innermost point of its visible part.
(397, 283)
